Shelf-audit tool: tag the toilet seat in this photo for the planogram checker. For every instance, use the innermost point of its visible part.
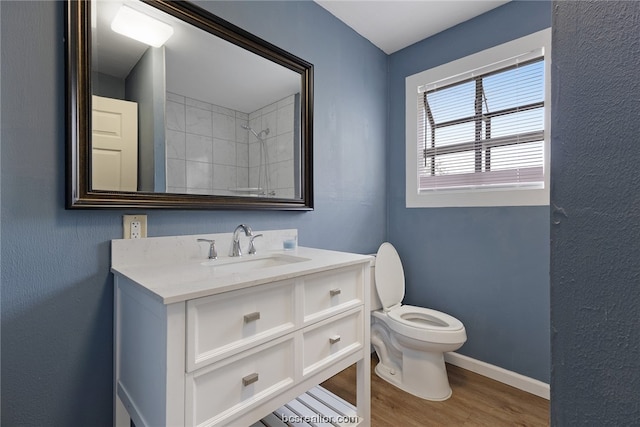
(414, 322)
(425, 324)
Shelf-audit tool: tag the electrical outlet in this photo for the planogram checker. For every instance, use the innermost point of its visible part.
(134, 226)
(135, 229)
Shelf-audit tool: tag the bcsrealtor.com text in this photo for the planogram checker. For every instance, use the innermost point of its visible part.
(318, 419)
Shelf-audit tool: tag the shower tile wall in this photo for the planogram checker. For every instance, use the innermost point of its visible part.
(208, 152)
(206, 147)
(279, 119)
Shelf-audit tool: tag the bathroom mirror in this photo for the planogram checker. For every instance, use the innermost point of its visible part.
(207, 117)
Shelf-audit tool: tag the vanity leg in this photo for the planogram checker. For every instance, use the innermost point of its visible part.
(363, 366)
(363, 396)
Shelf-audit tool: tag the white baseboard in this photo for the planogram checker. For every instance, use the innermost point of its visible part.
(497, 373)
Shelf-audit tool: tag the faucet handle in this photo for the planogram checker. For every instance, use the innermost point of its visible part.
(213, 254)
(252, 248)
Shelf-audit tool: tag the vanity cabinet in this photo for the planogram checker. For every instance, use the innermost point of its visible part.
(237, 353)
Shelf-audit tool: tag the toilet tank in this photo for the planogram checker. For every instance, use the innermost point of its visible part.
(373, 294)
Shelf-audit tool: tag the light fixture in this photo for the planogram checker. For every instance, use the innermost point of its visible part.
(141, 27)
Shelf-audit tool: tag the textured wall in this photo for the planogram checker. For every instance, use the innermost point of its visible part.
(56, 287)
(595, 297)
(489, 267)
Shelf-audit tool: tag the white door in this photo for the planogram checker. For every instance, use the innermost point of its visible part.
(114, 142)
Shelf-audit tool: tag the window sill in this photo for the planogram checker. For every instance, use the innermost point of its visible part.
(522, 196)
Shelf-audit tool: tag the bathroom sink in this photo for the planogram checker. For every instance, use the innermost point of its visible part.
(251, 262)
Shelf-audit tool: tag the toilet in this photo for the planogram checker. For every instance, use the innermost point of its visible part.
(410, 341)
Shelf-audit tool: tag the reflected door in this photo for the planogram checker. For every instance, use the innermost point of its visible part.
(114, 153)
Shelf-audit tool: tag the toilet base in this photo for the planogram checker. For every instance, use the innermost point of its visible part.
(423, 374)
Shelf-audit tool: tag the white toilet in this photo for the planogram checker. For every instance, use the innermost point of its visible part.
(410, 341)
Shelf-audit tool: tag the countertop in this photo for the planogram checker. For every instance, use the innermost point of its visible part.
(189, 279)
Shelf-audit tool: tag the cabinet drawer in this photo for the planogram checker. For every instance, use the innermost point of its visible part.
(219, 325)
(222, 390)
(328, 292)
(332, 339)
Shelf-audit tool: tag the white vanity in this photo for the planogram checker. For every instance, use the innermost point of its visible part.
(226, 342)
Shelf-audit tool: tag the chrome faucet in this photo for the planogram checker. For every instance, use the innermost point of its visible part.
(213, 254)
(252, 247)
(235, 245)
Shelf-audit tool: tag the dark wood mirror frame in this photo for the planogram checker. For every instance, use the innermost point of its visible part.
(78, 93)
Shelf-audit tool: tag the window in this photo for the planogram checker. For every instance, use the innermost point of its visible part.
(477, 131)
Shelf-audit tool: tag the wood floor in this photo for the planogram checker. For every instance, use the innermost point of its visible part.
(476, 401)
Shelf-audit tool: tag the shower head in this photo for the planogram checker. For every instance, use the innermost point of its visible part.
(257, 134)
(249, 128)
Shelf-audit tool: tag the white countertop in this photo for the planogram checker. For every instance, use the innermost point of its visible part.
(187, 279)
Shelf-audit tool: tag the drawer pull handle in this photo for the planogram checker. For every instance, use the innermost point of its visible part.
(334, 292)
(334, 339)
(250, 379)
(251, 317)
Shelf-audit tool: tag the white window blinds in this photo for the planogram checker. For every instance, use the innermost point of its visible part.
(483, 129)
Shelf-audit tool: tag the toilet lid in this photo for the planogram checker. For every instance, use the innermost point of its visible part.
(389, 276)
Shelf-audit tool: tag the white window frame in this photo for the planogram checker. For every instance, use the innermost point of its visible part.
(522, 196)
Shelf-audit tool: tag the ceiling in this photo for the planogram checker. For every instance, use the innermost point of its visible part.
(199, 65)
(389, 24)
(392, 25)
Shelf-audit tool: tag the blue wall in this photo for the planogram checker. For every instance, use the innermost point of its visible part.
(489, 267)
(56, 286)
(595, 298)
